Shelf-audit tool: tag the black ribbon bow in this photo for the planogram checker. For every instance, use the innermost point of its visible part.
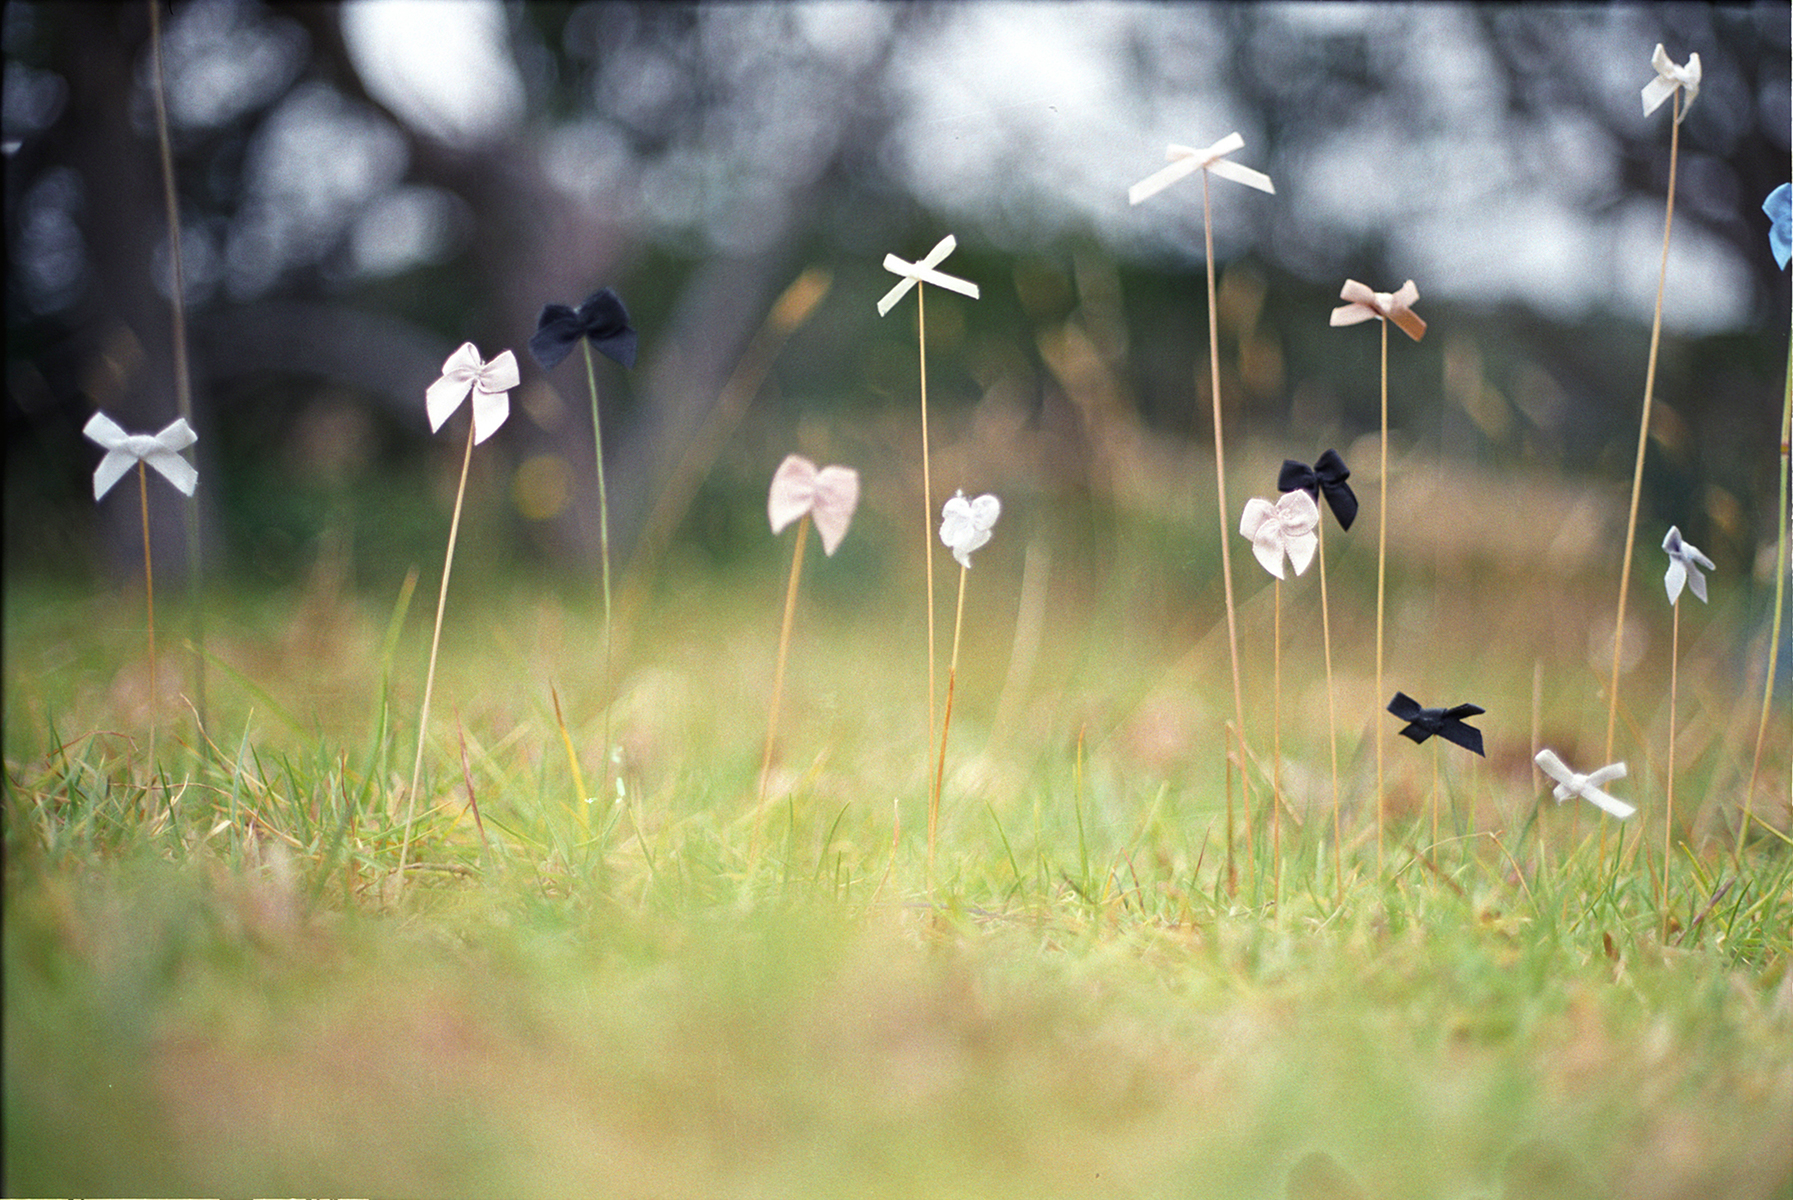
(1446, 723)
(1328, 475)
(602, 319)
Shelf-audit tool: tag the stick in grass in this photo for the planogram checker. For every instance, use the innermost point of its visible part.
(1284, 528)
(1670, 81)
(1213, 160)
(1684, 563)
(1329, 475)
(1363, 304)
(490, 384)
(802, 493)
(1779, 207)
(965, 525)
(601, 321)
(913, 275)
(143, 450)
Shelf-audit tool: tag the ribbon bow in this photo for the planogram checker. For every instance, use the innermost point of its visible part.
(1446, 723)
(159, 450)
(1394, 306)
(923, 272)
(1328, 475)
(1684, 563)
(1185, 161)
(1288, 526)
(1668, 78)
(1586, 786)
(829, 495)
(1779, 207)
(965, 524)
(602, 320)
(490, 383)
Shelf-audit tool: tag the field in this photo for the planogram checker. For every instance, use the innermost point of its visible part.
(215, 985)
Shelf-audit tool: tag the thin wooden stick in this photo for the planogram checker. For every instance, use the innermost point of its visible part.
(952, 675)
(597, 435)
(1381, 591)
(1332, 724)
(784, 645)
(1783, 518)
(927, 538)
(1668, 810)
(149, 593)
(1276, 745)
(1643, 434)
(1226, 553)
(429, 684)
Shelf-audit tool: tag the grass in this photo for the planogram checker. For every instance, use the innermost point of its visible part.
(208, 990)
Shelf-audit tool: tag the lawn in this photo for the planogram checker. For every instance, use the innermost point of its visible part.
(214, 983)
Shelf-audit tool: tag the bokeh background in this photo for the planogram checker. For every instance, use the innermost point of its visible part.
(364, 186)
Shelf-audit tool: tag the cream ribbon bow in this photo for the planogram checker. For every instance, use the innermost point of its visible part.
(829, 495)
(1568, 784)
(1287, 527)
(923, 272)
(1668, 78)
(160, 450)
(1684, 563)
(1365, 304)
(1185, 161)
(965, 525)
(490, 383)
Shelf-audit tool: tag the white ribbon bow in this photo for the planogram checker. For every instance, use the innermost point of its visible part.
(1586, 786)
(1684, 563)
(490, 383)
(1668, 78)
(1287, 527)
(829, 495)
(923, 272)
(965, 524)
(1365, 304)
(1185, 161)
(160, 450)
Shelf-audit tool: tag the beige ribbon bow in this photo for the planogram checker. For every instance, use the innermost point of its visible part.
(1185, 161)
(1290, 526)
(829, 495)
(1365, 304)
(1668, 78)
(159, 450)
(923, 272)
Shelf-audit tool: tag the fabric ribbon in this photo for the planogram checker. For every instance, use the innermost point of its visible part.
(490, 383)
(1568, 784)
(828, 495)
(1365, 304)
(159, 450)
(1185, 161)
(1668, 78)
(1684, 563)
(1328, 476)
(602, 320)
(1779, 207)
(965, 525)
(923, 272)
(1286, 527)
(1446, 723)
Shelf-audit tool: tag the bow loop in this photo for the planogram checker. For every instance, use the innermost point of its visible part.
(160, 450)
(829, 496)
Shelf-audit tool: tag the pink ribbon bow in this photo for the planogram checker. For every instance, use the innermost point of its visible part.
(923, 272)
(159, 450)
(829, 495)
(1185, 161)
(1668, 78)
(490, 383)
(1286, 527)
(1365, 305)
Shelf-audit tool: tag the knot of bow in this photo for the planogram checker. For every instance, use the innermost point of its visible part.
(1328, 476)
(828, 495)
(1363, 304)
(159, 450)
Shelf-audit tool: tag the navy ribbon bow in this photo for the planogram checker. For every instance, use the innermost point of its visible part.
(602, 319)
(1446, 723)
(1327, 475)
